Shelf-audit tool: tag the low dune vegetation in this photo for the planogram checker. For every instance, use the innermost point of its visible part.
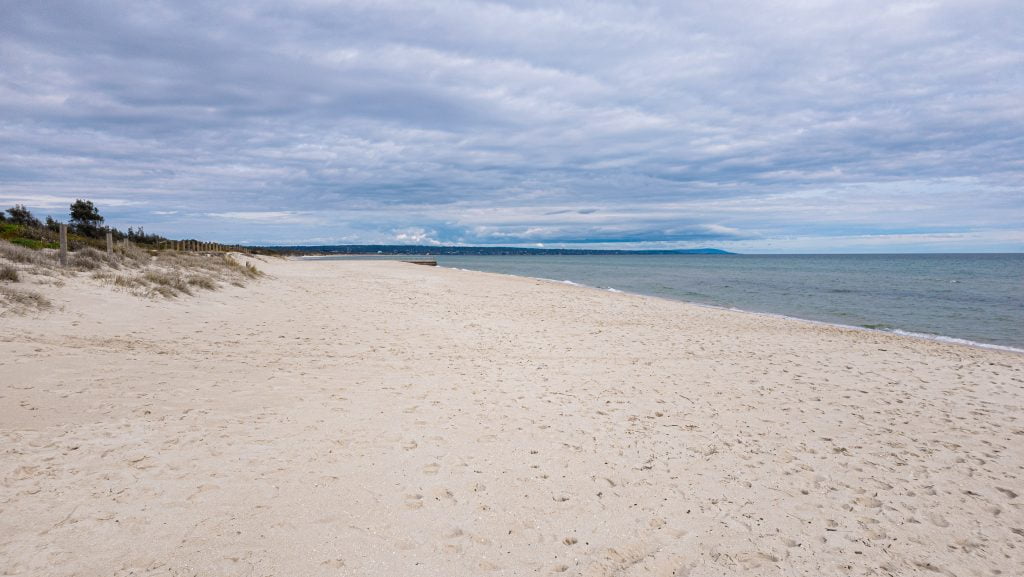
(141, 264)
(146, 273)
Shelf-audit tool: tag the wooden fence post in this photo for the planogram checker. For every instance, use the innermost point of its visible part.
(63, 254)
(110, 242)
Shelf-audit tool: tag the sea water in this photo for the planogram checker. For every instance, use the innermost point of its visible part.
(968, 297)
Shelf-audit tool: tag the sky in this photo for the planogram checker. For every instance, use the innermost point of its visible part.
(757, 127)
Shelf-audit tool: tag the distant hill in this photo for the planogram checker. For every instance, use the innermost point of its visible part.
(402, 249)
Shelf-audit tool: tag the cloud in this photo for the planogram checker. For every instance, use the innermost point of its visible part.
(262, 217)
(415, 235)
(522, 122)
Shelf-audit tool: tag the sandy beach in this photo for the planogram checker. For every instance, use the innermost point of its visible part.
(387, 419)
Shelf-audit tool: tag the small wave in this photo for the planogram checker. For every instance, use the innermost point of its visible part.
(613, 290)
(568, 282)
(954, 340)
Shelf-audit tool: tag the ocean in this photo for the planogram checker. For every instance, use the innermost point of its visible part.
(972, 298)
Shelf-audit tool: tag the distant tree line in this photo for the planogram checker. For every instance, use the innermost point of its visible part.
(84, 220)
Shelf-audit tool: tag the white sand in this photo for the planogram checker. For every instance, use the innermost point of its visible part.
(376, 418)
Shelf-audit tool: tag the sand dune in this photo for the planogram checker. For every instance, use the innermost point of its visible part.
(379, 418)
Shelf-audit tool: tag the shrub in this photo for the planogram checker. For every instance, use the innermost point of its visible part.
(86, 218)
(18, 214)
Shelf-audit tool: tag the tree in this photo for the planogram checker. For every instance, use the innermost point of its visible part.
(18, 214)
(52, 224)
(85, 218)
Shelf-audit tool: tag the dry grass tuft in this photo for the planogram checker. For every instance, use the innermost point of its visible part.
(132, 254)
(203, 282)
(168, 284)
(89, 258)
(248, 270)
(128, 282)
(22, 255)
(8, 273)
(21, 300)
(146, 273)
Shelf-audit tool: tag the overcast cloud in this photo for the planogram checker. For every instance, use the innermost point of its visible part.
(783, 126)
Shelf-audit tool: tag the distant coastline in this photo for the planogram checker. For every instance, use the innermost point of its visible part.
(390, 249)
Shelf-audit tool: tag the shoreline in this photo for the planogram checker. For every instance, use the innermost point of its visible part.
(381, 418)
(895, 331)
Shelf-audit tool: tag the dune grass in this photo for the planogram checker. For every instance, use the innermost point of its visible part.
(143, 273)
(9, 274)
(19, 254)
(20, 300)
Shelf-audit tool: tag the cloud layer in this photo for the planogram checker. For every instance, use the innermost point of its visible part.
(780, 126)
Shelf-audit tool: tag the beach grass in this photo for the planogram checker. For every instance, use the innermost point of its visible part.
(128, 268)
(8, 273)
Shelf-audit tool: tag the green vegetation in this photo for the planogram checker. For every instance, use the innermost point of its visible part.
(85, 228)
(26, 236)
(21, 255)
(143, 266)
(86, 219)
(20, 215)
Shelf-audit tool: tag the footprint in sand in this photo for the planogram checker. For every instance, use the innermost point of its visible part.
(453, 533)
(1009, 493)
(488, 566)
(414, 501)
(431, 469)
